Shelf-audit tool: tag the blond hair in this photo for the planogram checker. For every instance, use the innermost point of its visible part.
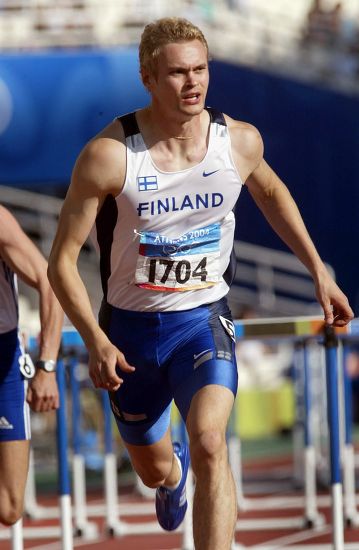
(165, 31)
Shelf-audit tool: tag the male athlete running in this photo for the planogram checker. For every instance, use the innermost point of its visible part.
(159, 186)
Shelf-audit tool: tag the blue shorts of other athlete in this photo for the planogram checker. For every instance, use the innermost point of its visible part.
(14, 411)
(175, 355)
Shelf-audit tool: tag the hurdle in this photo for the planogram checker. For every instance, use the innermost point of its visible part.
(347, 451)
(16, 536)
(276, 329)
(311, 515)
(303, 329)
(82, 526)
(114, 525)
(287, 331)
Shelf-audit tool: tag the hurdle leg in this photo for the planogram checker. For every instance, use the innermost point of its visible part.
(63, 468)
(114, 525)
(17, 536)
(312, 517)
(187, 540)
(298, 428)
(82, 526)
(31, 507)
(235, 460)
(350, 511)
(331, 344)
(33, 510)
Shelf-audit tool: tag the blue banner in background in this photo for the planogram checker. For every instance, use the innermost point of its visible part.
(52, 103)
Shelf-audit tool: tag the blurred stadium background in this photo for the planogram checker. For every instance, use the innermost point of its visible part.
(68, 67)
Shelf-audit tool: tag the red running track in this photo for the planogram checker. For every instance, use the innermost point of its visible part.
(298, 537)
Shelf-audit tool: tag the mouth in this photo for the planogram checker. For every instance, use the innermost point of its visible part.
(191, 98)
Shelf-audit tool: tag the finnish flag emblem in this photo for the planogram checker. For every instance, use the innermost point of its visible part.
(147, 183)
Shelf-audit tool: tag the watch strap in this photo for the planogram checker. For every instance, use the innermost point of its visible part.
(48, 365)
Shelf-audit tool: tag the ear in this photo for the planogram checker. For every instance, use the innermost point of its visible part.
(146, 79)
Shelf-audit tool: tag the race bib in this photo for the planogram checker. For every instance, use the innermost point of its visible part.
(189, 262)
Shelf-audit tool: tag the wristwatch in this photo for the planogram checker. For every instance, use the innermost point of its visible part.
(48, 366)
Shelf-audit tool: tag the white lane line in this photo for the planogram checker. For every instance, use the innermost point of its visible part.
(281, 542)
(77, 543)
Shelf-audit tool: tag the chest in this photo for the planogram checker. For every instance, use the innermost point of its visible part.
(171, 161)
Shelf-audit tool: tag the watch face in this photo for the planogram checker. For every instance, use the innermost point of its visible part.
(49, 366)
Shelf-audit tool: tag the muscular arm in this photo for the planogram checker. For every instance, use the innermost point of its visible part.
(276, 203)
(99, 171)
(24, 258)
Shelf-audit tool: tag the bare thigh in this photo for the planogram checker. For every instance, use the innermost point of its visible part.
(210, 410)
(14, 463)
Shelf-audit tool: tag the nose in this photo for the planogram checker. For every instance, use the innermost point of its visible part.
(191, 78)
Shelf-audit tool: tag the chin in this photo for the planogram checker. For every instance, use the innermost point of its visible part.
(193, 110)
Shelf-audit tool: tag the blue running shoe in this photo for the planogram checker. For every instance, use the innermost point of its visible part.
(171, 506)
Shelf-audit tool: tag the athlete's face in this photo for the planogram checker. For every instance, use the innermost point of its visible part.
(181, 80)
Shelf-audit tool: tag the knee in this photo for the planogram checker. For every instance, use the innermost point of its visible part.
(208, 450)
(11, 509)
(154, 475)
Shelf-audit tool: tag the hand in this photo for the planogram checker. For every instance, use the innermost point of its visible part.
(337, 311)
(42, 393)
(103, 361)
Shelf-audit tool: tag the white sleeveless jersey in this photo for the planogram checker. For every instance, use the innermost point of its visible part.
(8, 299)
(166, 241)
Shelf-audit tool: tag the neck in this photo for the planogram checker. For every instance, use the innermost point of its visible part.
(172, 128)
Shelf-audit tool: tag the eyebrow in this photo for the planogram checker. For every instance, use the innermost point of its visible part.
(185, 68)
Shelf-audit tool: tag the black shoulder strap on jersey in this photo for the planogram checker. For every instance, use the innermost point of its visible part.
(131, 128)
(216, 116)
(129, 123)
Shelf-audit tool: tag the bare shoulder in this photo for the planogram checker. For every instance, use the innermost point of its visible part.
(247, 145)
(101, 165)
(246, 138)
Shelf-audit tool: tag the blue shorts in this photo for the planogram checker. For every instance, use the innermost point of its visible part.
(175, 354)
(14, 410)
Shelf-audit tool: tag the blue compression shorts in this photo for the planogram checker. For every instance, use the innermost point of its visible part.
(14, 410)
(176, 354)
